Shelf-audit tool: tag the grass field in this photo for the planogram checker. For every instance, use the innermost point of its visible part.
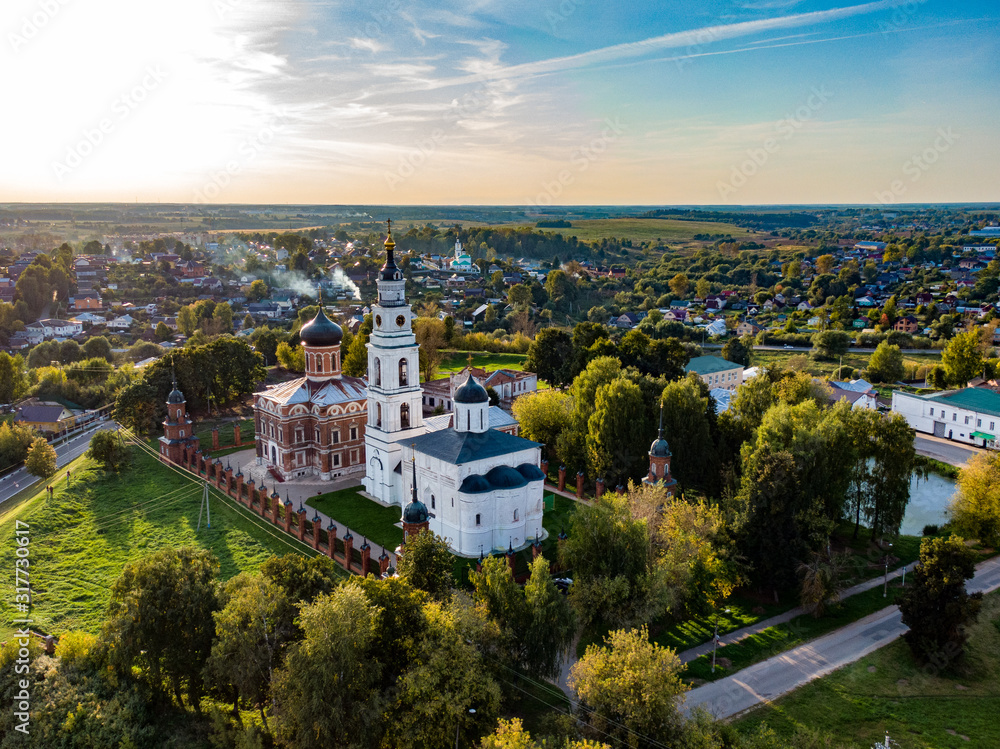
(645, 229)
(456, 361)
(886, 691)
(82, 538)
(826, 368)
(361, 515)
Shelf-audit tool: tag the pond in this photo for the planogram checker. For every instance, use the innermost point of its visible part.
(928, 502)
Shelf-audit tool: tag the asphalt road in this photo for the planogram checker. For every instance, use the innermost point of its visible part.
(777, 676)
(67, 452)
(944, 450)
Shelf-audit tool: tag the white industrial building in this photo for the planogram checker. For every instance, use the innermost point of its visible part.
(970, 415)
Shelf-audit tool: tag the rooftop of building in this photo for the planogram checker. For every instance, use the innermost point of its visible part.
(704, 365)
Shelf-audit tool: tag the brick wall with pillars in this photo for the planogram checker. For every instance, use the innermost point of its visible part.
(579, 485)
(288, 515)
(599, 488)
(562, 478)
(383, 563)
(215, 438)
(511, 559)
(366, 555)
(544, 466)
(276, 508)
(301, 523)
(348, 550)
(331, 540)
(316, 524)
(236, 434)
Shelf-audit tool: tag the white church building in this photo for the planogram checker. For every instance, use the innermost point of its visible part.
(482, 488)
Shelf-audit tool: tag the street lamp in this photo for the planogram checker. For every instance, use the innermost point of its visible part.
(885, 588)
(472, 711)
(715, 638)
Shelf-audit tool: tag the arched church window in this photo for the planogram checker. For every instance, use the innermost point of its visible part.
(433, 504)
(515, 516)
(378, 373)
(402, 372)
(404, 416)
(378, 414)
(481, 420)
(477, 518)
(182, 432)
(468, 421)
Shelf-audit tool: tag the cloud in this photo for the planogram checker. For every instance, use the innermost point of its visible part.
(371, 45)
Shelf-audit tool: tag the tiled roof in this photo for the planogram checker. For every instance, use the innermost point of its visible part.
(972, 399)
(709, 364)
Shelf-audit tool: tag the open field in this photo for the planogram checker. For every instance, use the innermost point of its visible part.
(854, 360)
(456, 361)
(82, 538)
(645, 229)
(920, 707)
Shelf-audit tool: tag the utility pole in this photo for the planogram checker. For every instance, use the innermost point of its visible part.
(206, 508)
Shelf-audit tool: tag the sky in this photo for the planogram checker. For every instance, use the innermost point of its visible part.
(521, 102)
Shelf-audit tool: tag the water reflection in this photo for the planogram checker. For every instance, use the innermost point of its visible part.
(928, 501)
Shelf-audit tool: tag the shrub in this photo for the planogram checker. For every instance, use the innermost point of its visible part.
(931, 530)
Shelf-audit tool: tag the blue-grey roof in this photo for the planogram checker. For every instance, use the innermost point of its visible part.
(464, 447)
(531, 472)
(505, 477)
(475, 484)
(703, 365)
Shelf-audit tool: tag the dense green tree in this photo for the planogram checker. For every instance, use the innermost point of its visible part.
(886, 364)
(258, 290)
(137, 407)
(830, 344)
(110, 451)
(687, 429)
(963, 357)
(738, 350)
(571, 444)
(98, 346)
(41, 459)
(13, 381)
(615, 448)
(426, 564)
(325, 691)
(975, 508)
(936, 606)
(159, 619)
(223, 318)
(633, 690)
(291, 358)
(15, 440)
(550, 356)
(355, 363)
(543, 416)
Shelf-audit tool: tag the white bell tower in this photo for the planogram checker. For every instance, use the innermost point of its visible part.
(394, 394)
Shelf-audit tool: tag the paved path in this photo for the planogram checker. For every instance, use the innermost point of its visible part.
(738, 634)
(67, 452)
(939, 448)
(770, 679)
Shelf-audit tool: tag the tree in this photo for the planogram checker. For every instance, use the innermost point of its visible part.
(247, 321)
(41, 459)
(511, 734)
(223, 318)
(738, 350)
(963, 357)
(571, 444)
(355, 364)
(680, 284)
(258, 290)
(429, 332)
(824, 264)
(615, 448)
(163, 331)
(109, 450)
(519, 295)
(937, 607)
(137, 406)
(886, 364)
(975, 509)
(426, 564)
(560, 287)
(536, 623)
(187, 321)
(822, 578)
(98, 347)
(326, 691)
(830, 344)
(159, 619)
(632, 688)
(703, 288)
(543, 416)
(13, 381)
(687, 429)
(292, 359)
(550, 356)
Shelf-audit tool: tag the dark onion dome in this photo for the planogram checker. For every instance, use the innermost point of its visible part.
(321, 331)
(505, 477)
(389, 271)
(415, 512)
(659, 449)
(530, 472)
(471, 391)
(475, 484)
(176, 396)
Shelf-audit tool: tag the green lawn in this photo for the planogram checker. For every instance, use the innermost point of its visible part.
(456, 361)
(886, 691)
(852, 359)
(203, 432)
(361, 515)
(84, 536)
